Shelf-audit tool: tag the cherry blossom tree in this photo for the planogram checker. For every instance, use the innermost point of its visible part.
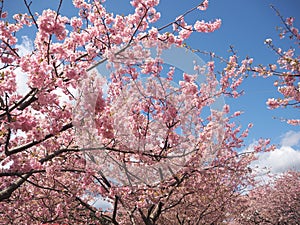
(138, 138)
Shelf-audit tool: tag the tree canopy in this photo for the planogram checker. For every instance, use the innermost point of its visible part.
(142, 143)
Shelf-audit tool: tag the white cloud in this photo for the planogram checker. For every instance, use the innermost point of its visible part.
(286, 157)
(291, 138)
(26, 47)
(280, 160)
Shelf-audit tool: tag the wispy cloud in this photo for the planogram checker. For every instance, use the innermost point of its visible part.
(291, 138)
(26, 46)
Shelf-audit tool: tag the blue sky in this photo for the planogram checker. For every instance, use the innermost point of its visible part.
(245, 25)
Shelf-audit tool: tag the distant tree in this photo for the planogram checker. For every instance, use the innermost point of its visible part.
(275, 203)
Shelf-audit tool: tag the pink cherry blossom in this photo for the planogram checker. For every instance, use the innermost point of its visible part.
(273, 103)
(203, 6)
(207, 27)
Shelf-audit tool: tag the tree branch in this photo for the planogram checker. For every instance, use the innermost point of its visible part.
(6, 193)
(33, 143)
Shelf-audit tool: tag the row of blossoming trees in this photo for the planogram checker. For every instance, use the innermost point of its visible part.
(138, 139)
